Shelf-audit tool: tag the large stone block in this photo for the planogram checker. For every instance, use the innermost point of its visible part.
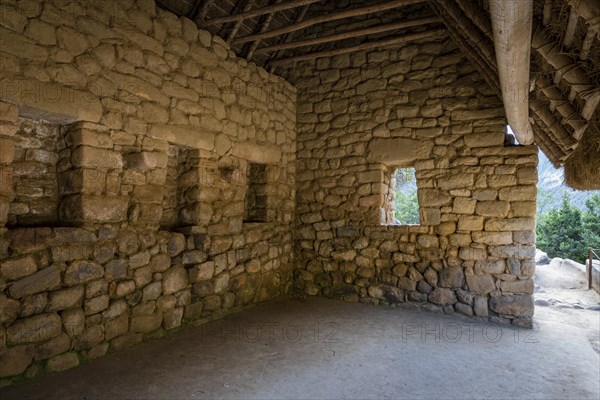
(493, 208)
(65, 298)
(480, 284)
(146, 160)
(41, 281)
(82, 272)
(82, 209)
(433, 198)
(493, 238)
(14, 361)
(7, 150)
(510, 224)
(95, 157)
(16, 268)
(398, 151)
(50, 101)
(517, 305)
(484, 139)
(451, 277)
(174, 279)
(34, 329)
(442, 296)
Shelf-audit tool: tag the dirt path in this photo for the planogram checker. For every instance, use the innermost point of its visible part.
(561, 296)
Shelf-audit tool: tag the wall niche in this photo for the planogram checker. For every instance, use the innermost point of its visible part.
(40, 154)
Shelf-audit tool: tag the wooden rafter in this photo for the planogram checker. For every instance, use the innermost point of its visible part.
(564, 107)
(566, 69)
(238, 24)
(571, 27)
(364, 46)
(561, 137)
(263, 28)
(261, 11)
(288, 36)
(203, 11)
(328, 18)
(478, 15)
(351, 34)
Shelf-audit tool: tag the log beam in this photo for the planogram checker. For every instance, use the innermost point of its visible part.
(563, 106)
(365, 46)
(261, 11)
(565, 69)
(263, 28)
(328, 18)
(350, 34)
(300, 15)
(238, 24)
(560, 136)
(571, 27)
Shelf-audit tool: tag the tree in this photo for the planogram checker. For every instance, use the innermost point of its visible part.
(560, 232)
(591, 222)
(406, 201)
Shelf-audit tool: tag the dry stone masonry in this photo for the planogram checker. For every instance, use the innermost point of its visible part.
(362, 116)
(126, 140)
(150, 179)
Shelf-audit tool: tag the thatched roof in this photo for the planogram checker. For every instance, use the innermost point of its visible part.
(565, 56)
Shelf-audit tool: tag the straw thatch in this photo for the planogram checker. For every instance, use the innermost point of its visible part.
(582, 169)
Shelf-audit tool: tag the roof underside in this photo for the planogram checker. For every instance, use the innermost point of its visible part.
(565, 57)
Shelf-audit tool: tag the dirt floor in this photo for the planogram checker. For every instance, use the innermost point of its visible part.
(318, 348)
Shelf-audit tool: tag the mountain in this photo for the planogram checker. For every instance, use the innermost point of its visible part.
(551, 187)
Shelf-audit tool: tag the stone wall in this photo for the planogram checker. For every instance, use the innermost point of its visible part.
(360, 116)
(132, 132)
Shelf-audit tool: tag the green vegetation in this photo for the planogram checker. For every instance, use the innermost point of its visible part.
(406, 201)
(568, 232)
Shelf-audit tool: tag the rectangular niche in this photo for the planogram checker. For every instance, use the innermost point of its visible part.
(182, 186)
(38, 149)
(255, 209)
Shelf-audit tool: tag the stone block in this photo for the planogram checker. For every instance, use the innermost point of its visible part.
(493, 208)
(146, 160)
(7, 150)
(480, 284)
(518, 287)
(433, 198)
(398, 151)
(519, 193)
(451, 277)
(472, 254)
(95, 157)
(464, 205)
(20, 267)
(146, 323)
(480, 306)
(174, 279)
(53, 347)
(53, 102)
(6, 181)
(65, 298)
(470, 223)
(14, 361)
(34, 329)
(82, 209)
(442, 296)
(41, 281)
(510, 224)
(79, 136)
(62, 362)
(493, 238)
(516, 305)
(8, 112)
(522, 209)
(82, 272)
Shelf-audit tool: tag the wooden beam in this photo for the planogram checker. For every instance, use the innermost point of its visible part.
(478, 15)
(563, 106)
(261, 11)
(469, 31)
(300, 14)
(388, 5)
(238, 24)
(561, 137)
(263, 28)
(351, 34)
(203, 11)
(565, 69)
(571, 27)
(365, 46)
(587, 43)
(547, 12)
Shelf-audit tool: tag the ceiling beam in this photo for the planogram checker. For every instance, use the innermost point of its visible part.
(260, 11)
(364, 46)
(351, 34)
(238, 24)
(388, 5)
(300, 15)
(203, 11)
(263, 28)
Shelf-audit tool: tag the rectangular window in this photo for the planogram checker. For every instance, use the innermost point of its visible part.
(403, 193)
(256, 193)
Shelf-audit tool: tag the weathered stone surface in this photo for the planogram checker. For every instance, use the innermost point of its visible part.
(518, 305)
(15, 360)
(62, 362)
(146, 323)
(480, 284)
(73, 321)
(451, 277)
(34, 329)
(398, 151)
(82, 272)
(174, 279)
(65, 298)
(53, 347)
(518, 287)
(46, 279)
(18, 267)
(94, 209)
(442, 296)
